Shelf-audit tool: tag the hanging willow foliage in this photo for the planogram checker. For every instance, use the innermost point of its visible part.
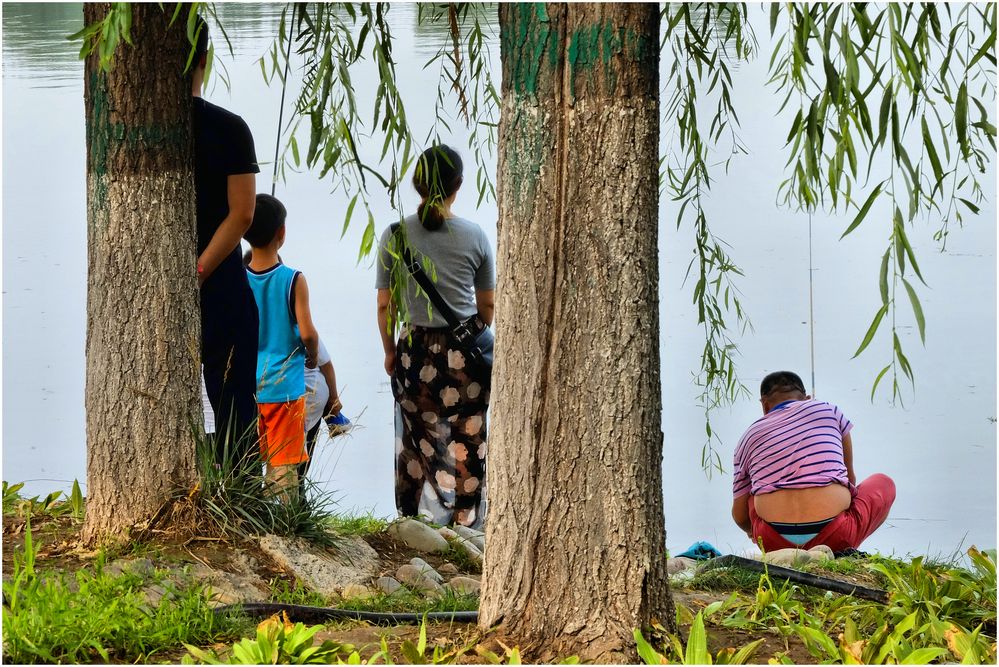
(913, 82)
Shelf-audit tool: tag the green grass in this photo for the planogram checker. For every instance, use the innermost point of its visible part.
(94, 616)
(356, 525)
(461, 559)
(724, 579)
(234, 498)
(406, 602)
(284, 593)
(937, 612)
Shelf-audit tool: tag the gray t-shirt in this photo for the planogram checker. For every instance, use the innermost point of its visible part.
(462, 259)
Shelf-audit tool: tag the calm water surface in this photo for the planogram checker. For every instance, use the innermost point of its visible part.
(940, 447)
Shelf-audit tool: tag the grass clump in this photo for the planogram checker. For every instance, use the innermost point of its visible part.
(461, 559)
(404, 601)
(285, 593)
(357, 525)
(233, 495)
(96, 616)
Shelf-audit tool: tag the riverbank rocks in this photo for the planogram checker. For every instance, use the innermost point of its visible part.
(447, 533)
(796, 557)
(387, 585)
(679, 564)
(356, 591)
(470, 549)
(418, 535)
(415, 578)
(427, 570)
(464, 585)
(476, 537)
(320, 570)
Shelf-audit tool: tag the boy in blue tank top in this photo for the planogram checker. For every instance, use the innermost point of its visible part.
(287, 344)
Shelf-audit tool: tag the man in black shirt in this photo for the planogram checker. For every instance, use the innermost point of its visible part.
(225, 186)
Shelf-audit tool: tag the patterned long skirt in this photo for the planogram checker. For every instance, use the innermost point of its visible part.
(440, 425)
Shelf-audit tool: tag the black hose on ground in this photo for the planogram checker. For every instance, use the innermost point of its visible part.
(315, 614)
(300, 612)
(799, 577)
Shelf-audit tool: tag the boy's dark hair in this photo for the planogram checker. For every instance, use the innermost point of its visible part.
(781, 382)
(201, 45)
(268, 218)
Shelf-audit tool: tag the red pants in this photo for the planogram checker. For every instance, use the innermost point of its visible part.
(873, 499)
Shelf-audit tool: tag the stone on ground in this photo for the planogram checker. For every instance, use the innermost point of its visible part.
(427, 570)
(470, 549)
(821, 552)
(448, 568)
(352, 591)
(447, 533)
(413, 577)
(464, 585)
(474, 536)
(387, 585)
(320, 570)
(418, 535)
(679, 564)
(788, 557)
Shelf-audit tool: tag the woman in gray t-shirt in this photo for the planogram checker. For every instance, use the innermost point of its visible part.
(441, 396)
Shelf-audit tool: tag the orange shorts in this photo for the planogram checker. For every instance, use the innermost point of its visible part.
(281, 427)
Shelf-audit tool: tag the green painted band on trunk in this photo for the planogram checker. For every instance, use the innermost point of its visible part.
(532, 45)
(593, 51)
(103, 135)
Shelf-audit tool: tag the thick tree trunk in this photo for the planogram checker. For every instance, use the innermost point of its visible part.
(142, 310)
(576, 534)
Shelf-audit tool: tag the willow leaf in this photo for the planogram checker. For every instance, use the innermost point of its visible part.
(917, 310)
(864, 209)
(883, 279)
(873, 329)
(931, 152)
(877, 380)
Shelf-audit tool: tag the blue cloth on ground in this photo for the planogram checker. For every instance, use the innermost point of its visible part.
(700, 551)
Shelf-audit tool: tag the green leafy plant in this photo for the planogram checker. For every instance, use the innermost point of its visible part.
(695, 651)
(76, 501)
(11, 496)
(96, 616)
(277, 642)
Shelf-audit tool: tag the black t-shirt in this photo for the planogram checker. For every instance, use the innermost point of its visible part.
(223, 146)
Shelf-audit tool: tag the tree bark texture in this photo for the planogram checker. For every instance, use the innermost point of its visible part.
(576, 535)
(143, 323)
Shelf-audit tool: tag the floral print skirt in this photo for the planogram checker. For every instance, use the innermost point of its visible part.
(440, 425)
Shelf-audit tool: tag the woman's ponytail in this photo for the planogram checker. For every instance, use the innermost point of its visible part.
(437, 176)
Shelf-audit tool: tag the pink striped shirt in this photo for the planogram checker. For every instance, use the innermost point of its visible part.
(796, 446)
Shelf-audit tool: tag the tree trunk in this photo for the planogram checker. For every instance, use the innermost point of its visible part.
(143, 325)
(576, 556)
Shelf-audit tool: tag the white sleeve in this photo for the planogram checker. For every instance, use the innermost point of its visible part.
(324, 355)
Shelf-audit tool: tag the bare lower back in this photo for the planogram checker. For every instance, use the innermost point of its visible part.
(803, 505)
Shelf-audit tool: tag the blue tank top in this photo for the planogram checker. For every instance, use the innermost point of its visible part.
(280, 351)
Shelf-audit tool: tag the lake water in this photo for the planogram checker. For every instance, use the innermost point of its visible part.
(940, 447)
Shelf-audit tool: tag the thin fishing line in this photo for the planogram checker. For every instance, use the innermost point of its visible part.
(284, 87)
(811, 300)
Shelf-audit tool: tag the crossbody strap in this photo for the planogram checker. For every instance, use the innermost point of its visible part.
(424, 281)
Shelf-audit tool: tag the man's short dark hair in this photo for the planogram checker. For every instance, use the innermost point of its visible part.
(201, 45)
(268, 218)
(781, 382)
